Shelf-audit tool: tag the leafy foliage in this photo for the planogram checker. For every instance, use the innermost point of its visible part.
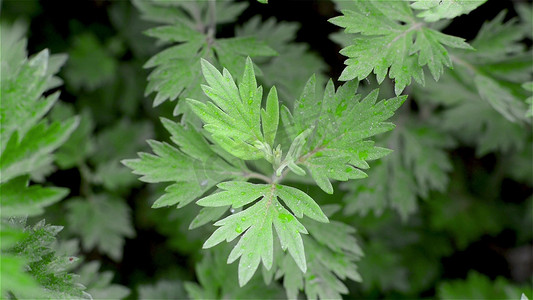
(499, 67)
(235, 121)
(419, 165)
(20, 199)
(331, 252)
(215, 283)
(486, 88)
(30, 266)
(27, 142)
(289, 70)
(101, 221)
(193, 26)
(479, 286)
(44, 265)
(258, 164)
(336, 127)
(90, 65)
(390, 37)
(99, 284)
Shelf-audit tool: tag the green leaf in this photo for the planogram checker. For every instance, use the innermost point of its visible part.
(206, 215)
(193, 168)
(389, 38)
(14, 278)
(270, 117)
(255, 223)
(477, 285)
(435, 10)
(33, 151)
(90, 65)
(500, 98)
(418, 165)
(99, 284)
(300, 203)
(497, 69)
(22, 104)
(48, 268)
(80, 144)
(339, 125)
(175, 75)
(331, 252)
(234, 116)
(101, 221)
(237, 194)
(31, 268)
(20, 199)
(216, 277)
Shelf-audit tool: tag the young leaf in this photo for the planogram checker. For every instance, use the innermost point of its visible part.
(234, 116)
(270, 116)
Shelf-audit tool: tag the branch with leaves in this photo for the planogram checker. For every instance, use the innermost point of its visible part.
(326, 134)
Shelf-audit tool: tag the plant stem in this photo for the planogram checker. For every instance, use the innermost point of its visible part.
(257, 176)
(85, 174)
(463, 63)
(211, 29)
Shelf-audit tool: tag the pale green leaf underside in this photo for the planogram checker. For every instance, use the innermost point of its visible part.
(255, 223)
